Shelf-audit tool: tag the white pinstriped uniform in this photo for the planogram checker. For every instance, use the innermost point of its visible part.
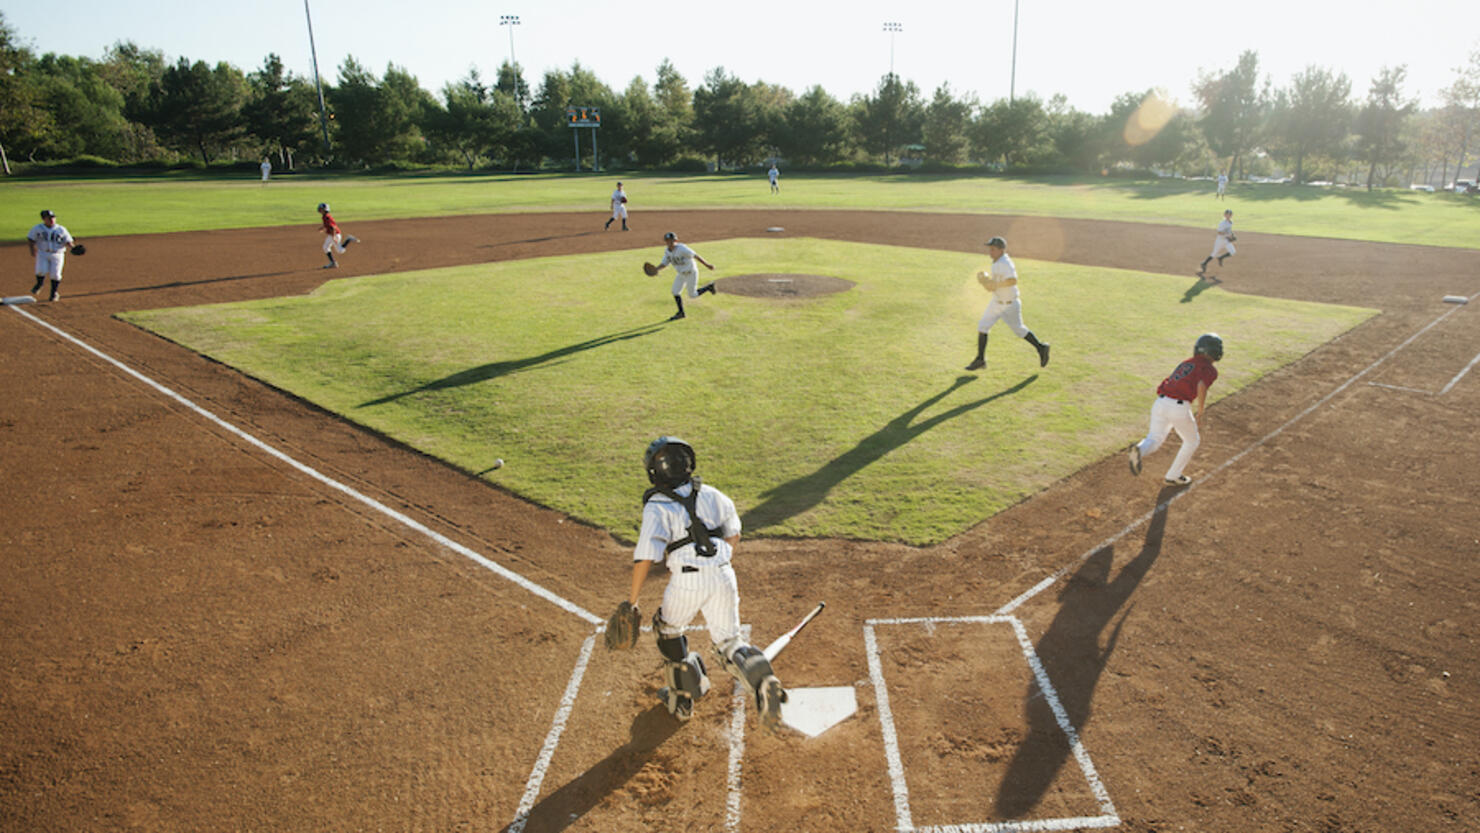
(1005, 304)
(710, 588)
(687, 278)
(51, 248)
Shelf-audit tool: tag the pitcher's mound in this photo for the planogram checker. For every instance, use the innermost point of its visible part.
(782, 286)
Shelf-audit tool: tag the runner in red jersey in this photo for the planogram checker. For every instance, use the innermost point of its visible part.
(332, 237)
(1180, 400)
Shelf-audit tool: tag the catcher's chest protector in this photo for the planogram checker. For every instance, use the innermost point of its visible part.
(699, 535)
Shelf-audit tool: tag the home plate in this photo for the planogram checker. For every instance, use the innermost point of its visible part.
(813, 711)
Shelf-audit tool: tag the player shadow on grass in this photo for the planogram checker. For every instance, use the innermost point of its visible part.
(1203, 285)
(566, 805)
(178, 284)
(801, 494)
(1074, 661)
(493, 370)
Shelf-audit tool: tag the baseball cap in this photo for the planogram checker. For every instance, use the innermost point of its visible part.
(998, 242)
(670, 236)
(47, 212)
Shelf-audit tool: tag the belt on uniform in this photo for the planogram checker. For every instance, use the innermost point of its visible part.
(1178, 401)
(688, 569)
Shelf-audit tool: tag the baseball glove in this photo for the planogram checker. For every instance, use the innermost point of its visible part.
(1232, 237)
(79, 249)
(623, 627)
(650, 269)
(624, 201)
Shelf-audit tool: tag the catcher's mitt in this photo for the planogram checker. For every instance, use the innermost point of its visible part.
(623, 627)
(79, 249)
(650, 269)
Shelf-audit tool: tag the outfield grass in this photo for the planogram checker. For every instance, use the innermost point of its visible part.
(841, 416)
(93, 207)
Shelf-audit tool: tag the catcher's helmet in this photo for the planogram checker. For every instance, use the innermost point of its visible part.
(1210, 345)
(323, 206)
(669, 462)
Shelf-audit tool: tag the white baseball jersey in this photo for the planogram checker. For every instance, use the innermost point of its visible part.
(1002, 269)
(698, 584)
(774, 174)
(1221, 243)
(1005, 304)
(681, 257)
(49, 241)
(266, 170)
(619, 204)
(1222, 182)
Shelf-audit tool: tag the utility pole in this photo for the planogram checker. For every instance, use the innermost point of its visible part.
(510, 20)
(318, 85)
(893, 28)
(1012, 82)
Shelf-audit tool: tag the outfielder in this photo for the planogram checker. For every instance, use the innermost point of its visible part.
(694, 528)
(1222, 243)
(1173, 409)
(333, 237)
(266, 169)
(1222, 184)
(619, 208)
(49, 243)
(1005, 304)
(686, 278)
(775, 176)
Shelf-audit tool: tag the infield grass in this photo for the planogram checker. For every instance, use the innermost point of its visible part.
(94, 207)
(846, 415)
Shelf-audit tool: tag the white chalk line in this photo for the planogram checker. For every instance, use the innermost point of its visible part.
(737, 749)
(552, 738)
(1131, 527)
(903, 818)
(374, 504)
(1452, 382)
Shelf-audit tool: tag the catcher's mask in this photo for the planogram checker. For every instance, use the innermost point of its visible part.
(669, 462)
(1210, 345)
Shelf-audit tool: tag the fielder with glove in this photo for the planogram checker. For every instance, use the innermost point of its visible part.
(1222, 243)
(619, 208)
(49, 243)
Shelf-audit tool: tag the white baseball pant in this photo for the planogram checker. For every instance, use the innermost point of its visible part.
(332, 241)
(49, 264)
(687, 282)
(1221, 245)
(1012, 313)
(711, 591)
(1168, 415)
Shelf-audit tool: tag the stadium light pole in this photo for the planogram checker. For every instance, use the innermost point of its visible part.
(893, 28)
(1012, 78)
(318, 85)
(510, 20)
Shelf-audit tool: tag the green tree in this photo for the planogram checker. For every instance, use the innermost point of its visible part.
(511, 83)
(947, 125)
(84, 104)
(1234, 109)
(890, 118)
(1015, 132)
(477, 121)
(1380, 123)
(280, 110)
(378, 120)
(1461, 120)
(1073, 135)
(24, 124)
(731, 118)
(198, 107)
(1148, 130)
(134, 72)
(1312, 116)
(817, 129)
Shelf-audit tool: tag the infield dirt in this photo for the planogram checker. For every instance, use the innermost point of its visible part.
(199, 636)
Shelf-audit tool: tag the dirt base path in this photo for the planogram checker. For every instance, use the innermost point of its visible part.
(201, 635)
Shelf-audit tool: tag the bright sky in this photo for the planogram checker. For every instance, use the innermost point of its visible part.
(1089, 51)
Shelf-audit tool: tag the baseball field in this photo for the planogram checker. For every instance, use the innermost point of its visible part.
(264, 575)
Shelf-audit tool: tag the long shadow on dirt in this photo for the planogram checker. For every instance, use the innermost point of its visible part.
(566, 805)
(1071, 654)
(797, 496)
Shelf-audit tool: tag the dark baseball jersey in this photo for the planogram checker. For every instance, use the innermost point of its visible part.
(1182, 384)
(330, 227)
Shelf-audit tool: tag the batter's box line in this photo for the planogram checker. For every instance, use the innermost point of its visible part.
(904, 821)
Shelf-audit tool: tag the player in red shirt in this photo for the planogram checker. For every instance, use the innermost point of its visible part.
(1173, 409)
(332, 237)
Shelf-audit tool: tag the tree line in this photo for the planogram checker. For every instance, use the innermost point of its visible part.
(133, 106)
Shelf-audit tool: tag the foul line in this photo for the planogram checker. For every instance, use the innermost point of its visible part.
(1131, 527)
(403, 519)
(552, 739)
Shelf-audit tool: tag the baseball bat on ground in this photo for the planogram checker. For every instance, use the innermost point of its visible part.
(785, 639)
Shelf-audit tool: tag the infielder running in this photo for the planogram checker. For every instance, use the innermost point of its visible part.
(48, 243)
(619, 208)
(1222, 243)
(1173, 409)
(333, 237)
(1002, 282)
(694, 528)
(687, 274)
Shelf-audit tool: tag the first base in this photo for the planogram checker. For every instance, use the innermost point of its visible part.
(1456, 299)
(17, 299)
(774, 229)
(813, 711)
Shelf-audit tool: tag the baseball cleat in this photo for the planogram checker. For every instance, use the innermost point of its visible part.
(1136, 459)
(976, 364)
(349, 240)
(1182, 480)
(1043, 356)
(679, 704)
(676, 316)
(768, 700)
(330, 266)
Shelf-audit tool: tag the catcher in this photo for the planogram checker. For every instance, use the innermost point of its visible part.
(1222, 244)
(694, 528)
(619, 208)
(49, 244)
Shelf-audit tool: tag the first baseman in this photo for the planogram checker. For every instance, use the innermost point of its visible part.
(1173, 410)
(1002, 282)
(48, 243)
(619, 208)
(687, 277)
(694, 528)
(333, 237)
(1222, 242)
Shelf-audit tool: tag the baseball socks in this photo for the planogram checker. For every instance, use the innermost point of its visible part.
(56, 290)
(332, 264)
(40, 279)
(1039, 346)
(1205, 262)
(1221, 259)
(708, 287)
(624, 225)
(349, 240)
(677, 299)
(981, 353)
